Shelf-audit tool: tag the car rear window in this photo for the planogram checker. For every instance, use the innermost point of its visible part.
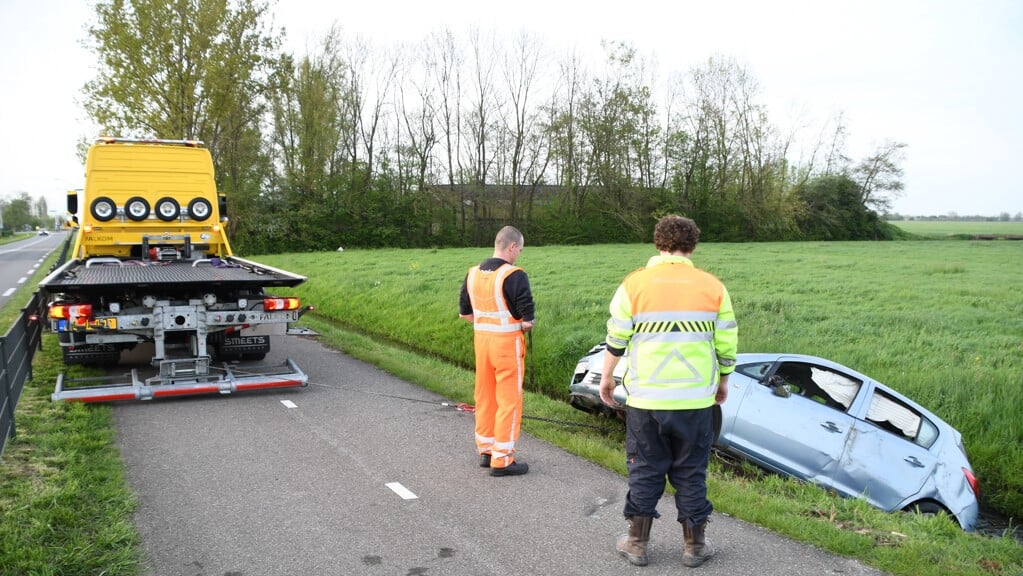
(894, 416)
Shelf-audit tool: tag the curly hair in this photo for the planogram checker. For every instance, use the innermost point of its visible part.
(676, 234)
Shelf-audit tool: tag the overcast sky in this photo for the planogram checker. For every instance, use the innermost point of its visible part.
(943, 76)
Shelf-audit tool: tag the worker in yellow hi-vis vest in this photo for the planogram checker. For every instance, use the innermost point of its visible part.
(497, 300)
(674, 325)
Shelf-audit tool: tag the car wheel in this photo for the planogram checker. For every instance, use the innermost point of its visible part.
(103, 209)
(928, 507)
(167, 209)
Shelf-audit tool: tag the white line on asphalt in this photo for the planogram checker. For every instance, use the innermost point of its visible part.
(289, 404)
(22, 281)
(402, 491)
(8, 292)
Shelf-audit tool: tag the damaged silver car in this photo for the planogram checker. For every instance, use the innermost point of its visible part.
(822, 422)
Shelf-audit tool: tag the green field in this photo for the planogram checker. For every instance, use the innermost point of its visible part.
(939, 321)
(935, 228)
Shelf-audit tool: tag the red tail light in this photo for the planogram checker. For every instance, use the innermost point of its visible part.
(73, 312)
(281, 304)
(973, 482)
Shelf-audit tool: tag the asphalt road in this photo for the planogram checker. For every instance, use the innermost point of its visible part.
(341, 478)
(20, 260)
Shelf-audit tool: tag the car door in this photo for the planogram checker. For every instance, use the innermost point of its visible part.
(887, 458)
(784, 425)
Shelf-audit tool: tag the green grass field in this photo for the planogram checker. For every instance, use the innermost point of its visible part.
(937, 229)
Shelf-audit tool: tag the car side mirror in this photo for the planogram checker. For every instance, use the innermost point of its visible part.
(778, 387)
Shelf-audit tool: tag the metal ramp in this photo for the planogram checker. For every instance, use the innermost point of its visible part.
(185, 377)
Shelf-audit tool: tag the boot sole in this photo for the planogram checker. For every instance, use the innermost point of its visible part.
(635, 560)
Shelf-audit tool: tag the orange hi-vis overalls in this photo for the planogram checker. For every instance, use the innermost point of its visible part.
(500, 352)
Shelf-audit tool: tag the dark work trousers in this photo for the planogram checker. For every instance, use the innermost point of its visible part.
(672, 443)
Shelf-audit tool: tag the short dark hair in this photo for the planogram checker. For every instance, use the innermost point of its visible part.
(676, 234)
(507, 236)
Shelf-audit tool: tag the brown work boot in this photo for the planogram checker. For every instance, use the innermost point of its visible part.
(697, 549)
(633, 544)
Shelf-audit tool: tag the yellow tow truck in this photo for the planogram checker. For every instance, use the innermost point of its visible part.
(151, 264)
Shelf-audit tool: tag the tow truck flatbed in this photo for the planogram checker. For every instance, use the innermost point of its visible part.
(102, 273)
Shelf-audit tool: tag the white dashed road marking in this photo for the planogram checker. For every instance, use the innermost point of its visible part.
(402, 491)
(8, 292)
(289, 404)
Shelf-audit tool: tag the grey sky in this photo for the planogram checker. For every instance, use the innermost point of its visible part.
(943, 76)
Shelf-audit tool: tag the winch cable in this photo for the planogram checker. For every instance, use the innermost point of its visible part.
(458, 406)
(463, 407)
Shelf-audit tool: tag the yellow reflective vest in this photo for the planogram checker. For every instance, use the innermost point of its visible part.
(676, 325)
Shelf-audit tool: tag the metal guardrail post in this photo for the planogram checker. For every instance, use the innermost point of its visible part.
(11, 400)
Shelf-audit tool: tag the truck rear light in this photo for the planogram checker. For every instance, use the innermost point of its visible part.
(71, 312)
(281, 304)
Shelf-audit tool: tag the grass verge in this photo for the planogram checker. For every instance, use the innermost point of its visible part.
(65, 506)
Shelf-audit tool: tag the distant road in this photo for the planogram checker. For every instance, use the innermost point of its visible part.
(20, 260)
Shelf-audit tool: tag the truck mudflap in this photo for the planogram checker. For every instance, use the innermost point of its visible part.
(174, 381)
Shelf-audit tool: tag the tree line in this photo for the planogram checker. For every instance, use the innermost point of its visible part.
(22, 213)
(443, 141)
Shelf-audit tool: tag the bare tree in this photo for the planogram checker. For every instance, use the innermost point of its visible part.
(880, 176)
(520, 72)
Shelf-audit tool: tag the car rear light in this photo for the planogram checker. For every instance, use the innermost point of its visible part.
(73, 312)
(972, 481)
(281, 304)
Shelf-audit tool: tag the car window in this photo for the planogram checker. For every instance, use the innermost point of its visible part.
(755, 371)
(819, 384)
(894, 416)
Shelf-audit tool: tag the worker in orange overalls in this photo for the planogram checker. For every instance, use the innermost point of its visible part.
(497, 300)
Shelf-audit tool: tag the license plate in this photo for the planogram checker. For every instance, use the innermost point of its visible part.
(108, 323)
(284, 316)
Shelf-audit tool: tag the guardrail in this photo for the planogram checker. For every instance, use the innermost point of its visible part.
(17, 348)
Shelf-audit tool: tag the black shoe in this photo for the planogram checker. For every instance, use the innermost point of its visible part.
(513, 469)
(485, 460)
